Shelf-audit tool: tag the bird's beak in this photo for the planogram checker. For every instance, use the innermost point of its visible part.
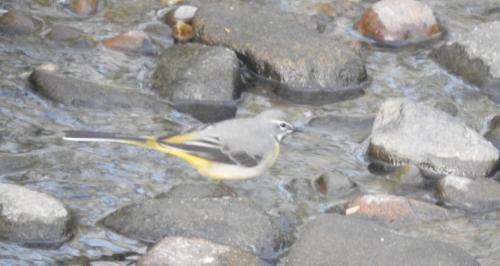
(298, 126)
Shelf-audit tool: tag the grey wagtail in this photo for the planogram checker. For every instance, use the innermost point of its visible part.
(238, 148)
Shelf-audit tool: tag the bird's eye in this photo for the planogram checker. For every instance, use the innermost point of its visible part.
(283, 125)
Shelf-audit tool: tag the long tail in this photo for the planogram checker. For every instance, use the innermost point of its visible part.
(90, 136)
(154, 143)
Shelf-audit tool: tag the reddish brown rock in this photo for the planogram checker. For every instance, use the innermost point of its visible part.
(395, 21)
(83, 7)
(183, 32)
(395, 210)
(132, 41)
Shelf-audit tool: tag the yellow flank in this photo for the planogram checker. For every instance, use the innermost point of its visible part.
(196, 162)
(275, 154)
(180, 138)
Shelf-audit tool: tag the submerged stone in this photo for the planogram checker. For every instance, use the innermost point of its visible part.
(408, 132)
(305, 66)
(87, 94)
(132, 41)
(14, 22)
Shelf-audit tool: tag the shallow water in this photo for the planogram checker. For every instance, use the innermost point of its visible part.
(95, 179)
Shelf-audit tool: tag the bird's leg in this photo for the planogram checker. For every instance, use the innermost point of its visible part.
(226, 190)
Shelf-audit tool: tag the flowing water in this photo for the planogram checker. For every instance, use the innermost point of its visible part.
(96, 179)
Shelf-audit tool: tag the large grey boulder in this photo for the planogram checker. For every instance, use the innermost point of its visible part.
(475, 56)
(408, 132)
(306, 66)
(181, 251)
(200, 80)
(33, 218)
(234, 222)
(337, 240)
(475, 195)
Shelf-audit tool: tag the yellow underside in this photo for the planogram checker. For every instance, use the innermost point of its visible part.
(205, 167)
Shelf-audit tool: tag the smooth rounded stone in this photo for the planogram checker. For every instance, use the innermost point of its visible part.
(61, 32)
(396, 211)
(493, 132)
(336, 240)
(132, 41)
(234, 222)
(334, 184)
(83, 7)
(475, 195)
(197, 190)
(399, 22)
(305, 66)
(181, 251)
(14, 22)
(473, 55)
(33, 218)
(357, 127)
(439, 144)
(185, 75)
(82, 93)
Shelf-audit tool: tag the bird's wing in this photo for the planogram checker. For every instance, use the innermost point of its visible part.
(210, 148)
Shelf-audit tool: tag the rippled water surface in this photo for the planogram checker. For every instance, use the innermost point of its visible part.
(96, 179)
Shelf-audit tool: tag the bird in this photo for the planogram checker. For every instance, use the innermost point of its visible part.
(238, 148)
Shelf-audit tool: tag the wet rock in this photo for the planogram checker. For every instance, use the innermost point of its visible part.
(396, 211)
(132, 41)
(185, 75)
(492, 90)
(439, 144)
(197, 190)
(334, 184)
(14, 22)
(83, 7)
(234, 222)
(180, 251)
(82, 93)
(473, 55)
(493, 133)
(475, 195)
(32, 218)
(357, 127)
(337, 240)
(305, 66)
(397, 22)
